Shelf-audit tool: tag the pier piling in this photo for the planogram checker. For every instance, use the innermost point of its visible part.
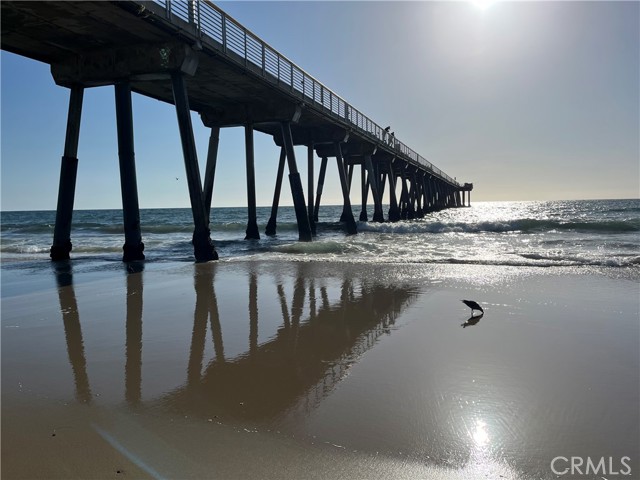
(202, 245)
(270, 230)
(378, 216)
(321, 175)
(133, 246)
(304, 229)
(346, 210)
(68, 173)
(364, 186)
(252, 220)
(210, 169)
(310, 209)
(394, 210)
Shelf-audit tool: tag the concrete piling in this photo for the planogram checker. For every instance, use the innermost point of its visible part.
(133, 246)
(304, 229)
(252, 220)
(202, 245)
(394, 209)
(68, 173)
(310, 185)
(378, 216)
(210, 169)
(321, 176)
(364, 187)
(270, 230)
(346, 210)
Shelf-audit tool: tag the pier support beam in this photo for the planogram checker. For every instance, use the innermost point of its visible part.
(133, 246)
(348, 169)
(364, 186)
(404, 195)
(347, 212)
(394, 210)
(312, 221)
(271, 224)
(321, 175)
(418, 192)
(252, 220)
(68, 172)
(378, 216)
(304, 229)
(411, 204)
(202, 245)
(210, 169)
(382, 180)
(428, 194)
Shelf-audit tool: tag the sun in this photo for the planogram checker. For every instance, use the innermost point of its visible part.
(482, 4)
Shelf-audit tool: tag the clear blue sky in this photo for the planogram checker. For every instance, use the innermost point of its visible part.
(528, 100)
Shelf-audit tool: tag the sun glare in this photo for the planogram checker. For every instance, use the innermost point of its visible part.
(480, 435)
(482, 4)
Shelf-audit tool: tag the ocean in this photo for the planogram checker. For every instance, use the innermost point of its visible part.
(601, 233)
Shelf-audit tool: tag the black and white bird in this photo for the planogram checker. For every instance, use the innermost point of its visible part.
(473, 306)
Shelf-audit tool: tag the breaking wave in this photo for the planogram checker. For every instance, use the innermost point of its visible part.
(525, 225)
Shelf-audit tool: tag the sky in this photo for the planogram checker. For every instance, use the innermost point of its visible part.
(527, 100)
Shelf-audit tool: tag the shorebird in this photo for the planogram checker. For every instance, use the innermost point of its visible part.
(473, 306)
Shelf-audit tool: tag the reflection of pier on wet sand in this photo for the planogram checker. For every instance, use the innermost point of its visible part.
(325, 324)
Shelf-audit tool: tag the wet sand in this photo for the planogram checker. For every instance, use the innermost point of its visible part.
(305, 370)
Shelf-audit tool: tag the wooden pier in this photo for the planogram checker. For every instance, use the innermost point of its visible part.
(194, 56)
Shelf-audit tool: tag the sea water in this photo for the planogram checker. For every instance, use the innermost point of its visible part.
(535, 233)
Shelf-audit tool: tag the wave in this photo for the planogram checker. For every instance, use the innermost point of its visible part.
(525, 225)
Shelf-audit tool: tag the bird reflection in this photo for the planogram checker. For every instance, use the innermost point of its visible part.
(473, 319)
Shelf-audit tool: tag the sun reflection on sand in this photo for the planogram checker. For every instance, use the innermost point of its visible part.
(480, 435)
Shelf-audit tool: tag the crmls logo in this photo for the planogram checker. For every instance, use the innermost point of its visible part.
(590, 466)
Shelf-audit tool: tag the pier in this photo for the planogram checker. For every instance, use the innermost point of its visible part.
(194, 56)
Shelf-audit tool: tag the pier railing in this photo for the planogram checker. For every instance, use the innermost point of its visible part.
(215, 29)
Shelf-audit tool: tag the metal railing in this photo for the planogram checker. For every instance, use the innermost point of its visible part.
(215, 29)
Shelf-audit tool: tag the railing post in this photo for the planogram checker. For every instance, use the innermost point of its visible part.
(224, 33)
(199, 22)
(168, 9)
(291, 74)
(244, 31)
(263, 61)
(190, 11)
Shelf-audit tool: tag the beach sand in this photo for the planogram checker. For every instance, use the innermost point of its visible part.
(249, 369)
